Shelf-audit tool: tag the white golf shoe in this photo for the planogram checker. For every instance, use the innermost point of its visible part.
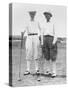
(53, 75)
(26, 73)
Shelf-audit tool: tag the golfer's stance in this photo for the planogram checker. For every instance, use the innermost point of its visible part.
(32, 42)
(49, 44)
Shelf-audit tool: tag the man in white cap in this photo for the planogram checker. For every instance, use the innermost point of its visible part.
(49, 43)
(32, 42)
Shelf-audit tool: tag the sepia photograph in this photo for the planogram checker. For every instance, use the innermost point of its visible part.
(37, 44)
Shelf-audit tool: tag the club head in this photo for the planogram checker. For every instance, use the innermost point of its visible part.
(39, 80)
(19, 79)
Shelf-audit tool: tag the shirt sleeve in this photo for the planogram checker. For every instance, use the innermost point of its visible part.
(41, 33)
(39, 29)
(54, 32)
(25, 32)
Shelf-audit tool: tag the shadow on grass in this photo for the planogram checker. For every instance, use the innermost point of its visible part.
(44, 75)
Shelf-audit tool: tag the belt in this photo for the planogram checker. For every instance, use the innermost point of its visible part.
(47, 35)
(32, 34)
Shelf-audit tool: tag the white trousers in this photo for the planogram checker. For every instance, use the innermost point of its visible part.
(32, 45)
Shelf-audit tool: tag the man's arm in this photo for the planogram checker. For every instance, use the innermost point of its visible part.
(41, 36)
(25, 32)
(55, 36)
(41, 33)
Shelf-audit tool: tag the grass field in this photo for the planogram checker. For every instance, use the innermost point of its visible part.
(32, 80)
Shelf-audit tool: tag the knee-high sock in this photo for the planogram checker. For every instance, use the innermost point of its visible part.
(36, 65)
(54, 67)
(28, 65)
(48, 65)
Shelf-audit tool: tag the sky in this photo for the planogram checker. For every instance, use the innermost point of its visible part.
(20, 17)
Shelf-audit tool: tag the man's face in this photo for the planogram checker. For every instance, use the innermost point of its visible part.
(32, 16)
(48, 17)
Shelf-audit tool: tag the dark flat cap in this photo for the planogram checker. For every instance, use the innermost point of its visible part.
(32, 12)
(47, 13)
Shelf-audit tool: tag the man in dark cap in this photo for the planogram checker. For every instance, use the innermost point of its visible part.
(49, 44)
(32, 42)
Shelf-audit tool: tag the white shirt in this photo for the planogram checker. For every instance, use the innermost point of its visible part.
(32, 27)
(47, 28)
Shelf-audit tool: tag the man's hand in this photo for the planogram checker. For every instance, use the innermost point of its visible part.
(41, 43)
(54, 41)
(41, 46)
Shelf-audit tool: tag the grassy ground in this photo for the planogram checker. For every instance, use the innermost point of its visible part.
(32, 80)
